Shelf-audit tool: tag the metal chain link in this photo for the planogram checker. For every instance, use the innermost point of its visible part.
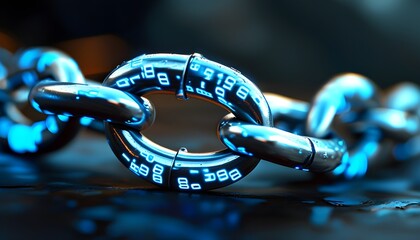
(350, 125)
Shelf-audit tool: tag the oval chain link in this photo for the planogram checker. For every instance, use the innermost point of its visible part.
(20, 72)
(349, 126)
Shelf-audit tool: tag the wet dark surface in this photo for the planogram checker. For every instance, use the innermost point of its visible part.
(83, 191)
(289, 47)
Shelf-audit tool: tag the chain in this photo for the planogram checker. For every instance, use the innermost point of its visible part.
(349, 127)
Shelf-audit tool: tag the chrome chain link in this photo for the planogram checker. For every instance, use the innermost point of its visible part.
(349, 127)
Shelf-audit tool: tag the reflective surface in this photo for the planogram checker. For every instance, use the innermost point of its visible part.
(185, 76)
(92, 101)
(44, 133)
(83, 192)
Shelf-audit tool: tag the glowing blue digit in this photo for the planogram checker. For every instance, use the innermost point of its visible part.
(222, 175)
(195, 66)
(209, 177)
(235, 174)
(157, 178)
(242, 92)
(133, 167)
(208, 73)
(123, 83)
(149, 71)
(144, 170)
(157, 173)
(229, 83)
(195, 186)
(183, 183)
(158, 169)
(133, 78)
(220, 92)
(163, 79)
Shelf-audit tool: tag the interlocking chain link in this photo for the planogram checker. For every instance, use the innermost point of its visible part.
(349, 127)
(20, 72)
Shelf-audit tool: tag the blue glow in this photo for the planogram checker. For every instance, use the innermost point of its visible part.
(222, 175)
(342, 167)
(3, 71)
(63, 118)
(47, 59)
(35, 105)
(21, 139)
(243, 151)
(209, 177)
(5, 125)
(86, 226)
(29, 78)
(28, 57)
(229, 144)
(370, 148)
(85, 121)
(358, 165)
(51, 124)
(126, 157)
(193, 171)
(91, 93)
(48, 112)
(233, 218)
(208, 73)
(37, 129)
(320, 215)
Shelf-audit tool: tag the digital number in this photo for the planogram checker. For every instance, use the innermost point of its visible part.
(157, 173)
(229, 83)
(220, 92)
(126, 82)
(242, 92)
(133, 167)
(235, 174)
(195, 66)
(209, 177)
(183, 184)
(223, 175)
(208, 73)
(163, 79)
(144, 170)
(149, 71)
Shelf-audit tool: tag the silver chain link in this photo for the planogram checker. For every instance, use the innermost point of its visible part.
(350, 127)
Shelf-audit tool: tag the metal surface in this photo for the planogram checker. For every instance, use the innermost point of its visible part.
(282, 147)
(96, 102)
(345, 128)
(42, 134)
(185, 76)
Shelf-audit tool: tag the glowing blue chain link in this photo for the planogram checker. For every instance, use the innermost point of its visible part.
(369, 118)
(342, 132)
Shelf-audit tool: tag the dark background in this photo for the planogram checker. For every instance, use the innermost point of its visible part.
(295, 46)
(289, 47)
